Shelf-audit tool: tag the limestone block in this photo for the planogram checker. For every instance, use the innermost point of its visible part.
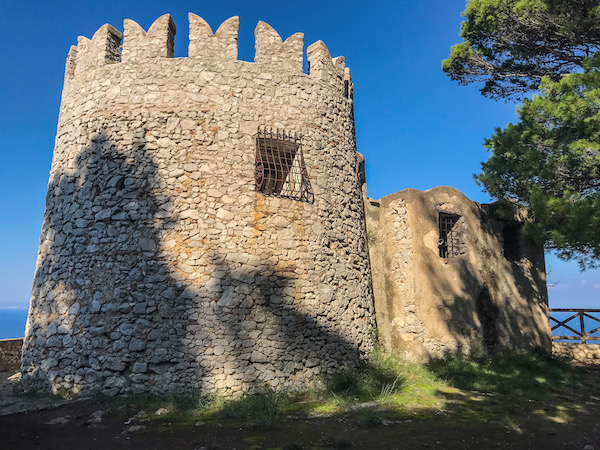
(104, 48)
(140, 46)
(269, 48)
(221, 46)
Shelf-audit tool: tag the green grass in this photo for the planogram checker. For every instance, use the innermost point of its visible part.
(261, 408)
(385, 388)
(535, 374)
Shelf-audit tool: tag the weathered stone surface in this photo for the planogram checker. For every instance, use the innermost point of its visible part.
(159, 263)
(10, 353)
(579, 353)
(473, 302)
(139, 367)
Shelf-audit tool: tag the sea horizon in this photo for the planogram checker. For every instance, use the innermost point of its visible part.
(12, 322)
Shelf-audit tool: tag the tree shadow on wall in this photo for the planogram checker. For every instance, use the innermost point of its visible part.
(105, 309)
(111, 311)
(263, 330)
(509, 371)
(489, 308)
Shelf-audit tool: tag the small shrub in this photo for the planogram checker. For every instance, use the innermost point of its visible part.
(347, 382)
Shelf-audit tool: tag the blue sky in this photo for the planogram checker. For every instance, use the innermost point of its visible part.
(415, 127)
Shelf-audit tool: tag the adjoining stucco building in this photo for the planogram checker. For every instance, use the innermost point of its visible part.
(451, 278)
(205, 227)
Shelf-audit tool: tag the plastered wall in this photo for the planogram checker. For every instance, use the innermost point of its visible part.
(471, 303)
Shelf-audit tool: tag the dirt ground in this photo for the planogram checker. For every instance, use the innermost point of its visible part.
(42, 423)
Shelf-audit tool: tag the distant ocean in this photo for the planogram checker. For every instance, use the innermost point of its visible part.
(12, 323)
(589, 324)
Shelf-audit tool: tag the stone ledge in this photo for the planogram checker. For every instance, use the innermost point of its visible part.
(588, 354)
(10, 353)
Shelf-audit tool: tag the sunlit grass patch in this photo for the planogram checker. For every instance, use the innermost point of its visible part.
(534, 374)
(508, 390)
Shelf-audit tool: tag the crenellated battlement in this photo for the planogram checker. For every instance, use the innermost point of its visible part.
(180, 250)
(104, 48)
(222, 44)
(270, 48)
(157, 42)
(140, 46)
(320, 63)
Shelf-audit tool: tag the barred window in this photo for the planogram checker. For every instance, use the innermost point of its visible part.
(448, 241)
(279, 165)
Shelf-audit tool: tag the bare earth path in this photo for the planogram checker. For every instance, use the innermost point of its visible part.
(44, 423)
(11, 403)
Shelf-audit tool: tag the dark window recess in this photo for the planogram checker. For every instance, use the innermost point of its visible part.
(511, 235)
(487, 313)
(448, 242)
(279, 166)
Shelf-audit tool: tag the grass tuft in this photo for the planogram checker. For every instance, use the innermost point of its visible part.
(260, 408)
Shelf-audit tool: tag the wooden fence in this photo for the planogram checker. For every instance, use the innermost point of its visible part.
(579, 316)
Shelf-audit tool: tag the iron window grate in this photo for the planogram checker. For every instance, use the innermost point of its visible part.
(279, 165)
(448, 242)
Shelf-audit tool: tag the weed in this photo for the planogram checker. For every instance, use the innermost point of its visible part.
(378, 378)
(347, 382)
(375, 335)
(370, 418)
(373, 235)
(261, 407)
(388, 390)
(254, 441)
(511, 425)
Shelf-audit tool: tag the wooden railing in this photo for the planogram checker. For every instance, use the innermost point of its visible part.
(578, 335)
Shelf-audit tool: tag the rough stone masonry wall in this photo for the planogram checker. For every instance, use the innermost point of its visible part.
(160, 268)
(10, 353)
(475, 302)
(586, 354)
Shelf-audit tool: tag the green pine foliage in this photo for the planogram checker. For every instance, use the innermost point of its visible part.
(550, 162)
(510, 45)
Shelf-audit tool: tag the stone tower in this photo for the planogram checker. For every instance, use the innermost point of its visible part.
(204, 224)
